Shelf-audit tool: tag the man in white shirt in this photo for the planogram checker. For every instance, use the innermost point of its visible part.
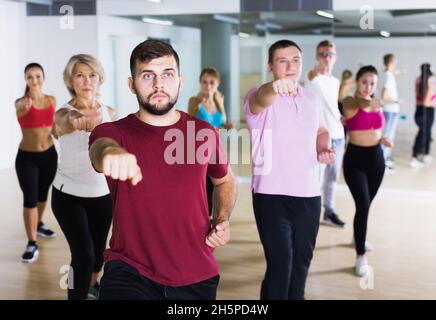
(391, 105)
(326, 87)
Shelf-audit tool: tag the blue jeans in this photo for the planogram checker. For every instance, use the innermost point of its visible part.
(329, 175)
(389, 131)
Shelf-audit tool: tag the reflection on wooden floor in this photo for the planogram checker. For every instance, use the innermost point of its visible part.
(401, 228)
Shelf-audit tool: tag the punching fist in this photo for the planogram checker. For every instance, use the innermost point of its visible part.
(327, 156)
(121, 165)
(284, 86)
(85, 120)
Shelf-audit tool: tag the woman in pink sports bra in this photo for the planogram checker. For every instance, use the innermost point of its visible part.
(424, 116)
(364, 164)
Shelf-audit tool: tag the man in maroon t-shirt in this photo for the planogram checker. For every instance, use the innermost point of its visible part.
(156, 161)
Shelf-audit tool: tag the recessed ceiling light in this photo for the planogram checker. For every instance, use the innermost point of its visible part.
(385, 34)
(224, 18)
(243, 35)
(158, 21)
(325, 14)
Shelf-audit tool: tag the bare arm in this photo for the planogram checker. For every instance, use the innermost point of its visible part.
(67, 121)
(22, 106)
(111, 113)
(193, 106)
(325, 154)
(219, 101)
(224, 198)
(98, 150)
(262, 98)
(63, 125)
(428, 94)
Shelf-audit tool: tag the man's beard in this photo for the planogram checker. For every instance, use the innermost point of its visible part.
(153, 108)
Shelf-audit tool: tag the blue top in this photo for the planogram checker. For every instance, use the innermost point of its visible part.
(216, 119)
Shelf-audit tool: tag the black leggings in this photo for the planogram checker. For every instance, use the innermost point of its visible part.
(424, 118)
(85, 223)
(287, 227)
(364, 168)
(35, 172)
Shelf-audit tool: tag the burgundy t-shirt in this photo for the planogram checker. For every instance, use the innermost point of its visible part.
(160, 225)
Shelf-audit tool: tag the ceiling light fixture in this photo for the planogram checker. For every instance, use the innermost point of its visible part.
(325, 14)
(385, 34)
(157, 21)
(222, 18)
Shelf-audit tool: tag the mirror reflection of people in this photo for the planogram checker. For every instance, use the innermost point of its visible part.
(425, 87)
(346, 88)
(391, 105)
(36, 161)
(208, 104)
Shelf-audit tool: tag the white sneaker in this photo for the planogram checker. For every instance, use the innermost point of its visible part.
(361, 266)
(390, 163)
(368, 247)
(415, 163)
(389, 170)
(427, 159)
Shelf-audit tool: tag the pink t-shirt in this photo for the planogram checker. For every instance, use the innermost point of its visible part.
(283, 138)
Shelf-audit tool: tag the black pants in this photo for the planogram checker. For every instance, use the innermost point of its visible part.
(364, 168)
(424, 118)
(35, 172)
(123, 282)
(287, 227)
(85, 223)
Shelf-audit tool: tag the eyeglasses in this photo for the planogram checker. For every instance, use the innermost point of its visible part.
(326, 54)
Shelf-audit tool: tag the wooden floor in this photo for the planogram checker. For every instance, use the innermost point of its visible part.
(402, 228)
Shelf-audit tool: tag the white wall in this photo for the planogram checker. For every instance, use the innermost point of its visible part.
(143, 7)
(383, 5)
(116, 39)
(12, 17)
(51, 46)
(234, 80)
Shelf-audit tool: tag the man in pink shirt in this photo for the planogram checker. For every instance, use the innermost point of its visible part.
(156, 161)
(289, 140)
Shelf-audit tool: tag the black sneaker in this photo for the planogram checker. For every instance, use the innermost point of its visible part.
(332, 219)
(31, 254)
(93, 291)
(44, 232)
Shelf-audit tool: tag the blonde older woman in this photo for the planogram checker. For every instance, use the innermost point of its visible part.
(80, 200)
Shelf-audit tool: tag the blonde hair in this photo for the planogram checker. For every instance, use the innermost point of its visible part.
(87, 59)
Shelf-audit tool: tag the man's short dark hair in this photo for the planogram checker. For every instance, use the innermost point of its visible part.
(281, 44)
(149, 50)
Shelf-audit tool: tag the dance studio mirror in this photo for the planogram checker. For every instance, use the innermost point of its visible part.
(380, 207)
